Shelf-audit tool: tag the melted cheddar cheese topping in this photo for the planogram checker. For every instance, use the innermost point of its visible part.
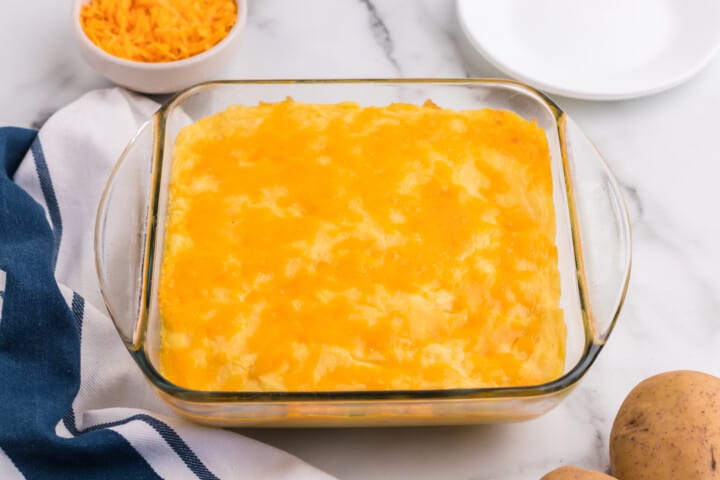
(315, 247)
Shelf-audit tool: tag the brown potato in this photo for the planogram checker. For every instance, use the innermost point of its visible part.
(668, 427)
(575, 473)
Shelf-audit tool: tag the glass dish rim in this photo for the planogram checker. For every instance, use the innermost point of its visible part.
(594, 341)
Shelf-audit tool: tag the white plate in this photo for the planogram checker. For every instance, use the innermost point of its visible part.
(595, 49)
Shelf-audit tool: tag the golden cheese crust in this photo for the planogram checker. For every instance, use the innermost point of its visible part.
(315, 247)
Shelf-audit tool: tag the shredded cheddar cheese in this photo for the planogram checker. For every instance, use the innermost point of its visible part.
(157, 30)
(334, 247)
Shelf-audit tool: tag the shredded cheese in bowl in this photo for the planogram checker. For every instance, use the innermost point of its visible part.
(157, 31)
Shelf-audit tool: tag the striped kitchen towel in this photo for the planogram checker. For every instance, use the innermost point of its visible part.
(72, 402)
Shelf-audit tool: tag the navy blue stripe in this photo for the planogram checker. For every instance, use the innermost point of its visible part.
(180, 447)
(70, 423)
(166, 432)
(78, 310)
(48, 191)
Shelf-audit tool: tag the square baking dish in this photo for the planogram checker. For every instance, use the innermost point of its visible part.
(593, 241)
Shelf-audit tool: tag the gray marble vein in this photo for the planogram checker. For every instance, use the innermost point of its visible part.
(381, 33)
(633, 202)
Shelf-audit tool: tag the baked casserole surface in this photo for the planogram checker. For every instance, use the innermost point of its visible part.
(329, 247)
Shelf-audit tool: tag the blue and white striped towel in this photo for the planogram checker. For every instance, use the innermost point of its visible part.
(72, 402)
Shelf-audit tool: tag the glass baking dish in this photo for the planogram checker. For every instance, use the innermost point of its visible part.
(593, 240)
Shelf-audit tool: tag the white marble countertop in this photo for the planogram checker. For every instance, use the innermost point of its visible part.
(663, 150)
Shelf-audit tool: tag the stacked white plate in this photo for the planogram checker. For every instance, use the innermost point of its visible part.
(594, 49)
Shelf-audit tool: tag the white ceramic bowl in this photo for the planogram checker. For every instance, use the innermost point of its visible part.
(165, 77)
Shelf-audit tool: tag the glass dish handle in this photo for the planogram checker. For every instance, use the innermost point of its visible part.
(602, 240)
(120, 234)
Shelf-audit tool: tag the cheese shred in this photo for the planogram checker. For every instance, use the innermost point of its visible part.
(157, 30)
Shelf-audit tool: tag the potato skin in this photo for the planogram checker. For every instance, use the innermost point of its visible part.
(668, 427)
(575, 473)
